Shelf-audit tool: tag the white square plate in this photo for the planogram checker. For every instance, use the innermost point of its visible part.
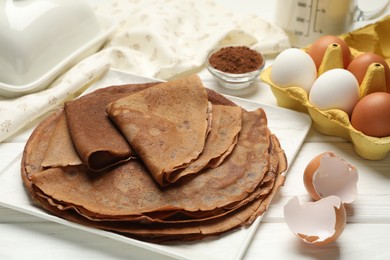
(289, 126)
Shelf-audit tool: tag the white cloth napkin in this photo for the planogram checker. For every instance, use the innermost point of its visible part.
(155, 38)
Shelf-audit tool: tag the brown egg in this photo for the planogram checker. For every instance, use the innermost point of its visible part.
(318, 49)
(360, 64)
(371, 115)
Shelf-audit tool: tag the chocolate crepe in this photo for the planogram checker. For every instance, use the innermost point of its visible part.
(97, 141)
(61, 150)
(166, 124)
(118, 193)
(171, 231)
(178, 232)
(225, 127)
(236, 191)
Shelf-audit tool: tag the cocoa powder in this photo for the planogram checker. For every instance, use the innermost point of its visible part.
(236, 59)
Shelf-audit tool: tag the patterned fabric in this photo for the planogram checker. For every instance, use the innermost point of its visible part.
(155, 38)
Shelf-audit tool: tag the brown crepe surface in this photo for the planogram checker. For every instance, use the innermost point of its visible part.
(186, 231)
(220, 142)
(97, 141)
(166, 124)
(118, 193)
(60, 150)
(222, 138)
(170, 229)
(163, 232)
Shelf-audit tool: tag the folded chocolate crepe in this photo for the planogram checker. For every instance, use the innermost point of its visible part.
(166, 125)
(97, 142)
(222, 138)
(61, 150)
(126, 199)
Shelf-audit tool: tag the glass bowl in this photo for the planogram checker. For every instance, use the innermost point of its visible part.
(234, 81)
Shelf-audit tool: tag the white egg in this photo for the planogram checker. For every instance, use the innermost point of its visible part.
(335, 89)
(294, 67)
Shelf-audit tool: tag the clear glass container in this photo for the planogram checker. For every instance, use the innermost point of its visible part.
(234, 80)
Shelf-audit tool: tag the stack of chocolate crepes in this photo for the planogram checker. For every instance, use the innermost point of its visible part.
(157, 161)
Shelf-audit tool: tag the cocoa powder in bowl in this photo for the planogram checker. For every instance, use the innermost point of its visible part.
(236, 59)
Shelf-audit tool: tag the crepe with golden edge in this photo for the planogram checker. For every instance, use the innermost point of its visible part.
(166, 125)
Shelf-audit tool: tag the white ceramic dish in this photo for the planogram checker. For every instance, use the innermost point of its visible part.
(229, 246)
(41, 39)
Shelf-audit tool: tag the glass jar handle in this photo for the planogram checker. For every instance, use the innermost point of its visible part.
(366, 10)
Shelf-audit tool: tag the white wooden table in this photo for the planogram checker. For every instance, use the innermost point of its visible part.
(366, 235)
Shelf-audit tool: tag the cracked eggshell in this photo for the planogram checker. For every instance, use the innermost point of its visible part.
(328, 174)
(320, 222)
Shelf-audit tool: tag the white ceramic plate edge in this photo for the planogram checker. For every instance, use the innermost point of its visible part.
(12, 184)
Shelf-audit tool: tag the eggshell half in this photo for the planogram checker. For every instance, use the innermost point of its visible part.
(317, 223)
(328, 174)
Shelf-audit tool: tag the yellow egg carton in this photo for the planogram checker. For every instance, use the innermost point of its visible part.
(372, 38)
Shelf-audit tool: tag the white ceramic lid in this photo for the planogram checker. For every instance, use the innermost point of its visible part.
(36, 35)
